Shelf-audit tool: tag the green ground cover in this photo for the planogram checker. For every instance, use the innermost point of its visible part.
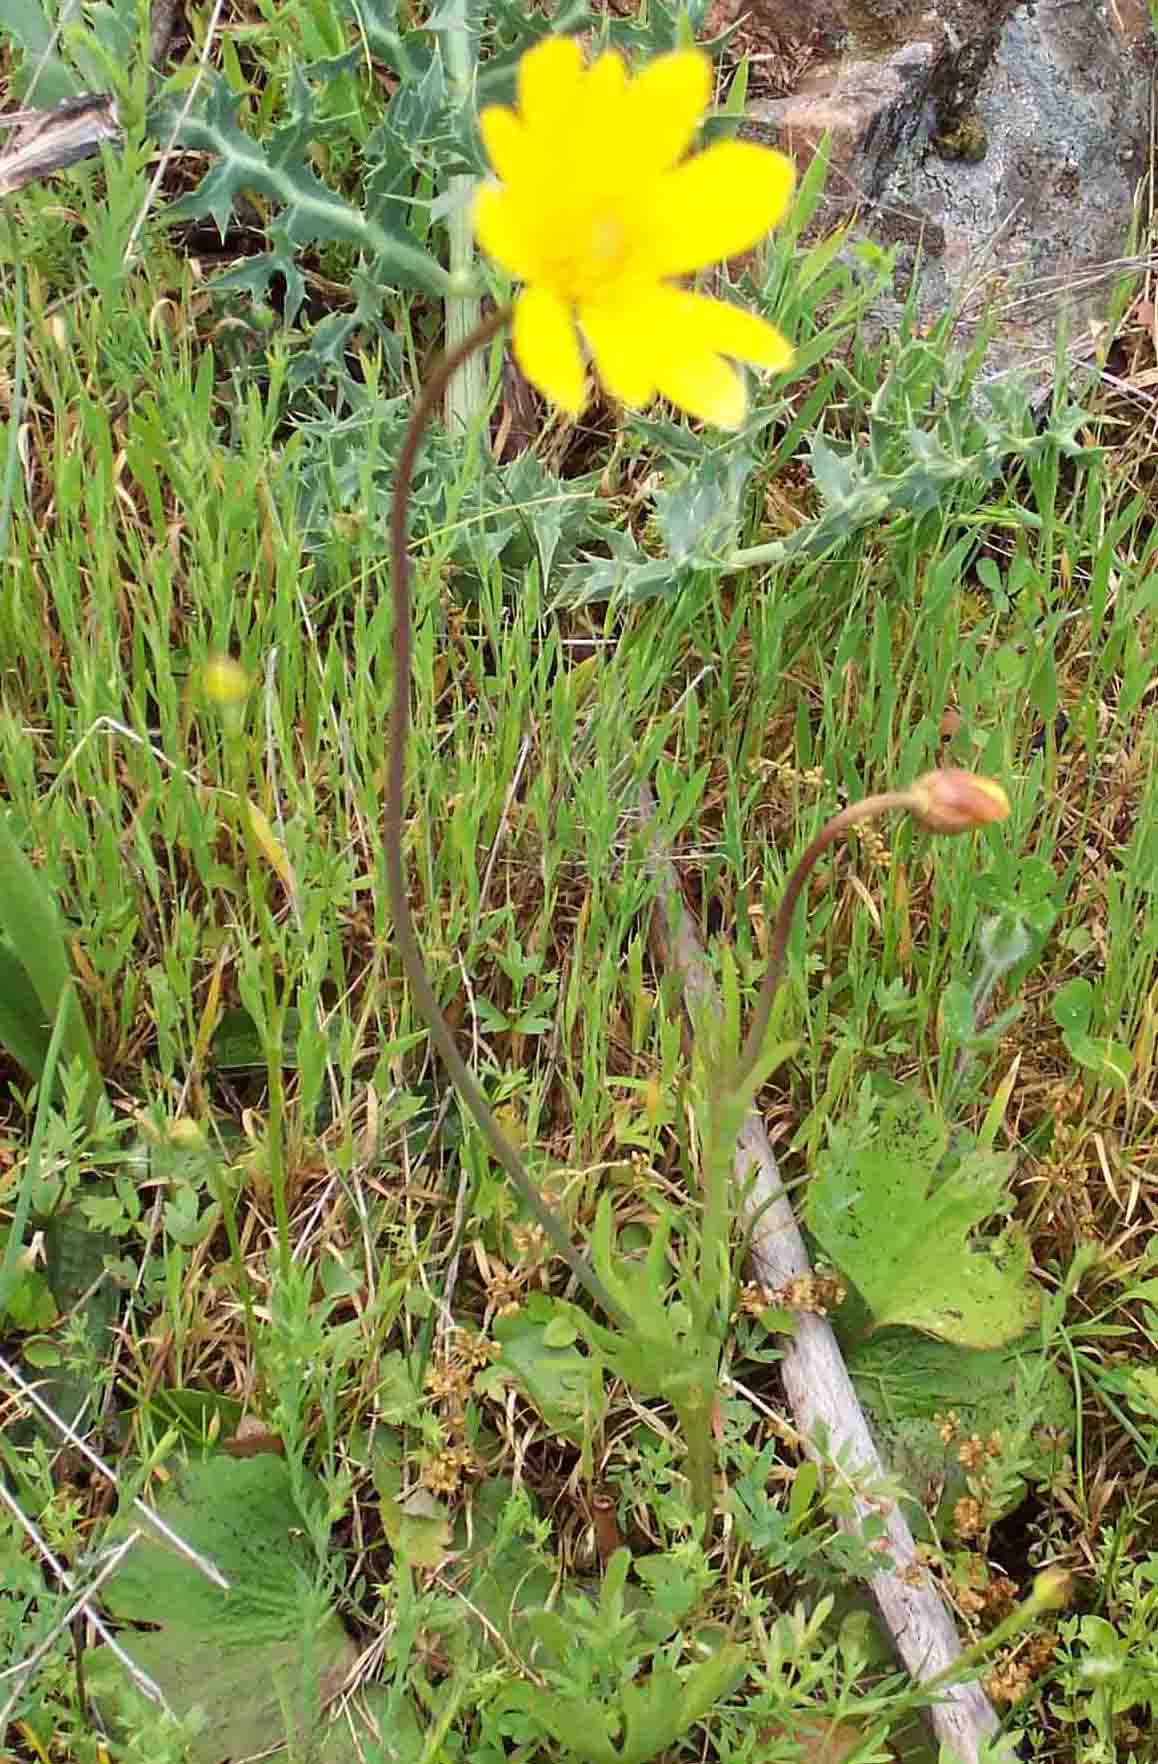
(236, 1189)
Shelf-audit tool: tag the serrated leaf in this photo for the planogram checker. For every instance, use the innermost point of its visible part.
(397, 1398)
(309, 212)
(269, 1649)
(556, 514)
(599, 579)
(699, 512)
(900, 1226)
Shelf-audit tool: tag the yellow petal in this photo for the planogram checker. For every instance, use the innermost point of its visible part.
(662, 109)
(649, 337)
(549, 77)
(505, 140)
(507, 230)
(546, 347)
(721, 202)
(603, 89)
(705, 387)
(617, 333)
(718, 325)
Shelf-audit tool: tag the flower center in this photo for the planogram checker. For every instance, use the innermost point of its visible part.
(590, 256)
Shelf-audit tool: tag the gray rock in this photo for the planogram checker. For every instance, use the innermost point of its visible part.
(1002, 144)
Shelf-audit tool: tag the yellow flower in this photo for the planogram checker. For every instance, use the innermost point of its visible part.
(598, 211)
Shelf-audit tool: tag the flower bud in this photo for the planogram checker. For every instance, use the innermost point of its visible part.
(1052, 1589)
(955, 801)
(224, 681)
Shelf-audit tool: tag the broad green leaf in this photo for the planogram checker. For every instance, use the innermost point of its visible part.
(649, 1717)
(900, 1225)
(511, 1578)
(417, 1528)
(30, 924)
(269, 1650)
(1073, 1012)
(1073, 1007)
(25, 23)
(1111, 1060)
(74, 1261)
(564, 1383)
(238, 1045)
(28, 1301)
(908, 1384)
(23, 1031)
(397, 1398)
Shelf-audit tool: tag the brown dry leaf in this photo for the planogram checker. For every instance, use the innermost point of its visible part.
(252, 1438)
(272, 850)
(817, 1742)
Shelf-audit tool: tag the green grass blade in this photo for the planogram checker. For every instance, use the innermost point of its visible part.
(31, 924)
(15, 1239)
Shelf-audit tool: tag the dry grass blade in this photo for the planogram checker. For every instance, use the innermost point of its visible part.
(23, 1670)
(823, 1401)
(141, 1679)
(30, 1394)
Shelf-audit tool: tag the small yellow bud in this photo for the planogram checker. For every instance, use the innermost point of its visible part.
(224, 681)
(185, 1132)
(955, 801)
(1051, 1589)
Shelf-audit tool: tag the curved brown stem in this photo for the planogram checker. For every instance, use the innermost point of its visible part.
(421, 991)
(866, 810)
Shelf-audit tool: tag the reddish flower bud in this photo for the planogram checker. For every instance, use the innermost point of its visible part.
(955, 801)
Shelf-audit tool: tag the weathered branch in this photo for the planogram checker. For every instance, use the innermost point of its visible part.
(46, 141)
(820, 1392)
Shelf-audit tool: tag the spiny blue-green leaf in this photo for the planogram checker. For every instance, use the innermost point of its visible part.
(413, 119)
(280, 171)
(406, 52)
(256, 275)
(699, 512)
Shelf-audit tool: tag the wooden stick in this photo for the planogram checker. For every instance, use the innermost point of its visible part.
(821, 1395)
(46, 141)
